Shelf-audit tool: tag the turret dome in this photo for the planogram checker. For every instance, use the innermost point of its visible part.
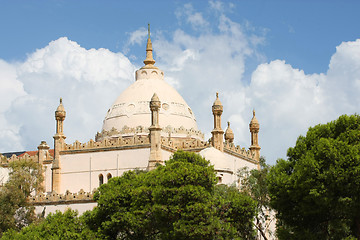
(229, 134)
(60, 111)
(254, 123)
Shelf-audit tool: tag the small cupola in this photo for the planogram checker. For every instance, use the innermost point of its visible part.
(254, 123)
(229, 134)
(60, 112)
(217, 105)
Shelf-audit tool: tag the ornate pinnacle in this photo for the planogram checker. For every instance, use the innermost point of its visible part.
(149, 56)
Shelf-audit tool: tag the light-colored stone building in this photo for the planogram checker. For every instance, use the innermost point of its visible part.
(145, 125)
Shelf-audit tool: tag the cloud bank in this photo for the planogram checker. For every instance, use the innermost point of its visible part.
(87, 80)
(208, 59)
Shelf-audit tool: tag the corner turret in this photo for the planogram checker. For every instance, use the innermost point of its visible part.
(217, 132)
(155, 130)
(254, 130)
(59, 142)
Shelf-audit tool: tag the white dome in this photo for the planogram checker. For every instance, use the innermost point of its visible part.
(216, 158)
(131, 112)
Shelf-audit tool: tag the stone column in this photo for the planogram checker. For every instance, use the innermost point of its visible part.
(254, 130)
(217, 132)
(43, 153)
(59, 142)
(155, 137)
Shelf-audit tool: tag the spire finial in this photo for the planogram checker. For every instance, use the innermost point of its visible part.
(149, 61)
(217, 95)
(61, 100)
(253, 112)
(228, 124)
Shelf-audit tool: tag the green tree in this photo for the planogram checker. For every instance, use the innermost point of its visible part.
(175, 201)
(254, 183)
(316, 191)
(55, 226)
(25, 177)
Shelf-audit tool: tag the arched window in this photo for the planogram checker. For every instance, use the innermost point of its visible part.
(101, 179)
(109, 176)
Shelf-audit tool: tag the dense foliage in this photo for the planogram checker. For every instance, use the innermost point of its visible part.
(254, 183)
(56, 226)
(316, 191)
(175, 201)
(25, 177)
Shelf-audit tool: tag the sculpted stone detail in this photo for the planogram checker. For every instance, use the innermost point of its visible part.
(165, 106)
(4, 161)
(149, 74)
(142, 107)
(237, 150)
(141, 130)
(174, 144)
(68, 197)
(108, 143)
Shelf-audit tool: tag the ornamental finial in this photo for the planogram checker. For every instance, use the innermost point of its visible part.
(149, 61)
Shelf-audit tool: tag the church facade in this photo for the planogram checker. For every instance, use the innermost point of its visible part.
(146, 124)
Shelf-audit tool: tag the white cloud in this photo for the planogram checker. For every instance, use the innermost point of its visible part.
(344, 77)
(136, 37)
(289, 101)
(195, 19)
(10, 89)
(88, 81)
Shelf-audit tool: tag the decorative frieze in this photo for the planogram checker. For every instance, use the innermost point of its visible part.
(4, 161)
(55, 198)
(183, 144)
(240, 152)
(141, 130)
(108, 143)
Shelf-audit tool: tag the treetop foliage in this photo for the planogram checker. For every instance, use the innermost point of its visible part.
(25, 177)
(254, 183)
(179, 200)
(56, 226)
(316, 191)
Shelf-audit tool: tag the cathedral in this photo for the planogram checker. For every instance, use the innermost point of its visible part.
(146, 124)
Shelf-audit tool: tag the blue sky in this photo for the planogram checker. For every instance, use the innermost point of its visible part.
(296, 62)
(304, 33)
